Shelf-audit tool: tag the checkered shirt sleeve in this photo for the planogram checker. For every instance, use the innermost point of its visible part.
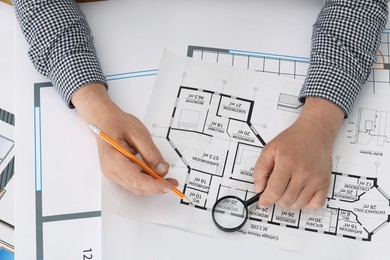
(345, 40)
(61, 45)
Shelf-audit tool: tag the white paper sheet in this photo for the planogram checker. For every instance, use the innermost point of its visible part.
(211, 122)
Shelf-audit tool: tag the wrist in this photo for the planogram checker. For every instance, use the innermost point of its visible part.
(93, 103)
(322, 114)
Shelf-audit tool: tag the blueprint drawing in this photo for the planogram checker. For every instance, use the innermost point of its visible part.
(213, 124)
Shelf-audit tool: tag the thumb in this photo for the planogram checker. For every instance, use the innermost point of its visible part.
(150, 153)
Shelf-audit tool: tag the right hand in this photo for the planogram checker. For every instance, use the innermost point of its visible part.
(294, 169)
(94, 105)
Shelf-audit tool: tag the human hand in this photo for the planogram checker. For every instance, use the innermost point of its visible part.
(294, 169)
(94, 105)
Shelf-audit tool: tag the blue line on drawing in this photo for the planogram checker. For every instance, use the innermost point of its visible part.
(40, 150)
(386, 30)
(135, 76)
(38, 175)
(35, 145)
(132, 72)
(268, 55)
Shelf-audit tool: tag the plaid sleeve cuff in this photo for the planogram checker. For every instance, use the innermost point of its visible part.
(331, 84)
(74, 71)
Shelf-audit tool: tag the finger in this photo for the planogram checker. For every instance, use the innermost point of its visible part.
(174, 182)
(318, 199)
(304, 197)
(129, 176)
(292, 193)
(263, 168)
(142, 184)
(149, 152)
(276, 186)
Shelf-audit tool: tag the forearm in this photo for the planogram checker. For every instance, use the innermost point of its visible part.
(345, 40)
(61, 45)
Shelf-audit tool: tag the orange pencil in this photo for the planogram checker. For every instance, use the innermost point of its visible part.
(134, 159)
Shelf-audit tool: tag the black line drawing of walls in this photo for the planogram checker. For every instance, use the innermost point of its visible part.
(244, 161)
(7, 117)
(371, 127)
(356, 208)
(7, 174)
(206, 131)
(6, 146)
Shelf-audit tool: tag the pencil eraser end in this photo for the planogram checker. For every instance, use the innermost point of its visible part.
(94, 128)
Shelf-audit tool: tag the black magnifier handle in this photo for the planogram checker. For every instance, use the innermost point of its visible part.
(252, 200)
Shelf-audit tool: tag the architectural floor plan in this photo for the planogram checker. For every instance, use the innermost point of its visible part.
(212, 126)
(213, 135)
(361, 198)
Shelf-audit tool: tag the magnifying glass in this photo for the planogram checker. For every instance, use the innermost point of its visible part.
(230, 213)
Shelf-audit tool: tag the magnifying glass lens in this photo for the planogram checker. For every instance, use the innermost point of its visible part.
(230, 213)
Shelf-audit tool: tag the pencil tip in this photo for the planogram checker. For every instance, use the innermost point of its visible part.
(187, 199)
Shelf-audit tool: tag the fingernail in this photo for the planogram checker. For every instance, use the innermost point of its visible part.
(311, 206)
(173, 182)
(316, 206)
(161, 168)
(257, 188)
(263, 203)
(166, 190)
